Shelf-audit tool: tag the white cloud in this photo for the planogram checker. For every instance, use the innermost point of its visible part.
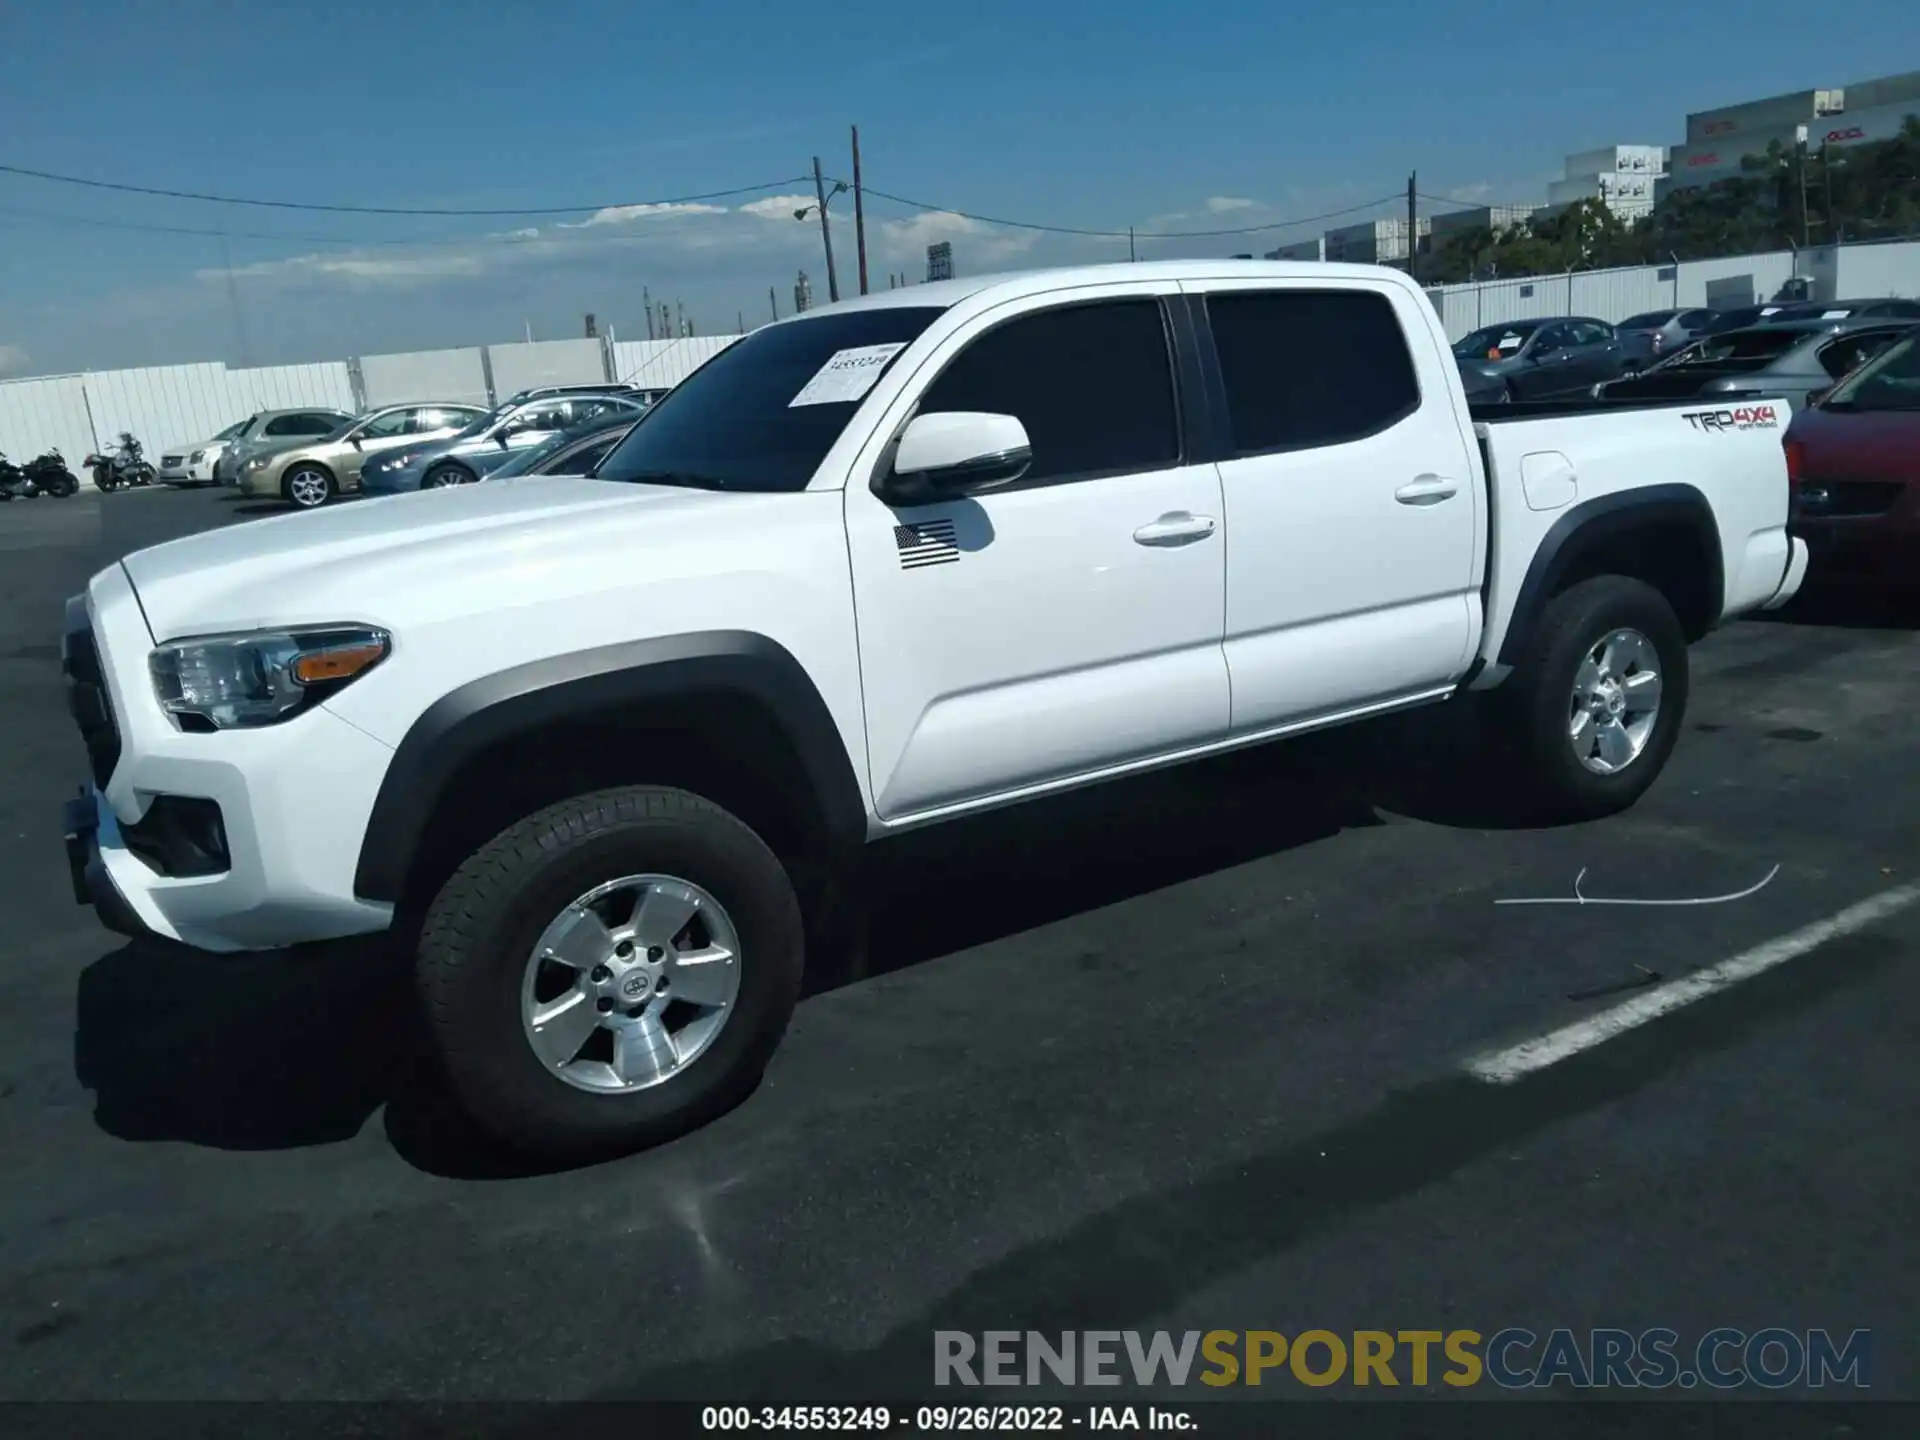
(984, 245)
(778, 207)
(361, 268)
(12, 359)
(625, 214)
(1227, 204)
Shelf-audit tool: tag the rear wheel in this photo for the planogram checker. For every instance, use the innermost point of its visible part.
(308, 487)
(1598, 698)
(611, 971)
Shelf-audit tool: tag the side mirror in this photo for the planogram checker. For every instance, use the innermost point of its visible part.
(354, 440)
(957, 453)
(1814, 397)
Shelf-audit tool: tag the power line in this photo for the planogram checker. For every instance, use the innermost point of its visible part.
(133, 225)
(127, 189)
(1138, 234)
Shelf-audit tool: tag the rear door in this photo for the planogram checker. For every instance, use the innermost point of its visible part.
(1352, 510)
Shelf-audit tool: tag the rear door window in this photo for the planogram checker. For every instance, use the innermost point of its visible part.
(1308, 368)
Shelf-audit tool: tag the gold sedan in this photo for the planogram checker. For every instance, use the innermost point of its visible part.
(317, 472)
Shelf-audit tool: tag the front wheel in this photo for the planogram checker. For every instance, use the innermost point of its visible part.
(63, 486)
(611, 972)
(1598, 697)
(441, 477)
(308, 487)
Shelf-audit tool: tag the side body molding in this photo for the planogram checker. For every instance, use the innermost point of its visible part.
(619, 682)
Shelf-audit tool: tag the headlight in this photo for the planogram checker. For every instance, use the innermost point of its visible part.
(196, 457)
(259, 462)
(236, 682)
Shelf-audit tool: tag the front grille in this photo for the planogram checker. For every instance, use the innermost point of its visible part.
(87, 699)
(170, 462)
(1847, 499)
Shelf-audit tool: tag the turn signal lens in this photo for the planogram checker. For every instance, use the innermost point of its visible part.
(340, 662)
(1796, 462)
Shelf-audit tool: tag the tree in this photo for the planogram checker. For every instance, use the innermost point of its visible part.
(1785, 196)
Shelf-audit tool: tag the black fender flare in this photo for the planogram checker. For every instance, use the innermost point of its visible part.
(607, 680)
(1598, 521)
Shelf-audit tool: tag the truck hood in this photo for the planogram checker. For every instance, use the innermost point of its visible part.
(334, 564)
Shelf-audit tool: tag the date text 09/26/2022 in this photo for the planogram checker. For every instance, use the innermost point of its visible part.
(944, 1419)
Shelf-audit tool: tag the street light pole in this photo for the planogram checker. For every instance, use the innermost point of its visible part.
(826, 230)
(859, 212)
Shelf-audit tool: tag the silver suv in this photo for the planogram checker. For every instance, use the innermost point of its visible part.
(268, 429)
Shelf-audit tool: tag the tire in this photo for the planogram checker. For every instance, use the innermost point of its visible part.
(1541, 697)
(476, 971)
(440, 477)
(64, 487)
(308, 487)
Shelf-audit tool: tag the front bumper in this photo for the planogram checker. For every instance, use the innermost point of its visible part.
(92, 884)
(293, 800)
(399, 481)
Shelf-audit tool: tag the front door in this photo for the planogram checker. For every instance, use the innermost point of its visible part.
(1351, 500)
(1068, 622)
(382, 432)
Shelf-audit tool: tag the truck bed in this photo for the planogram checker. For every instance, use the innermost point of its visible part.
(1588, 405)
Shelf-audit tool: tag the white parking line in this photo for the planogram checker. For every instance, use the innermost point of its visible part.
(1503, 1067)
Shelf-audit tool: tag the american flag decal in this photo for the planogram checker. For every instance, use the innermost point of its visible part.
(926, 542)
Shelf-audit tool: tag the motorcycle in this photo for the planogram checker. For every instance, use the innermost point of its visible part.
(47, 474)
(13, 480)
(120, 467)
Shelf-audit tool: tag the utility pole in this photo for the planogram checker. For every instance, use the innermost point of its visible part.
(1130, 251)
(740, 322)
(826, 231)
(1800, 163)
(773, 302)
(646, 303)
(859, 213)
(681, 311)
(1413, 226)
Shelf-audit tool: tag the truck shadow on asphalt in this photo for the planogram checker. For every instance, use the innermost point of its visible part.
(1142, 1260)
(1852, 609)
(299, 1049)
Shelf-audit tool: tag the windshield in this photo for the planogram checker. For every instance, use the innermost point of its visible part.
(480, 424)
(742, 422)
(1652, 320)
(1736, 350)
(234, 430)
(1495, 342)
(1890, 381)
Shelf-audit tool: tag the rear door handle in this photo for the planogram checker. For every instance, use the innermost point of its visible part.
(1427, 490)
(1176, 527)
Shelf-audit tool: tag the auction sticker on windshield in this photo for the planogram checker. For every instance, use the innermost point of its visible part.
(847, 375)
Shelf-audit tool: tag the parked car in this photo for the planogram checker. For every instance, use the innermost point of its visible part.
(1885, 308)
(540, 392)
(1744, 317)
(269, 429)
(1854, 463)
(317, 473)
(619, 741)
(193, 464)
(1794, 359)
(489, 442)
(571, 452)
(1646, 338)
(1536, 359)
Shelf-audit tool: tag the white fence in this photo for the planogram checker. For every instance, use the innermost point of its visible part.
(1832, 273)
(170, 406)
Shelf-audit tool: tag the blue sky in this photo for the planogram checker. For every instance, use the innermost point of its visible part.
(1095, 114)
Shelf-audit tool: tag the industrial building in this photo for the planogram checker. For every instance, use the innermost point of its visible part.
(1314, 249)
(1376, 242)
(1720, 141)
(1621, 177)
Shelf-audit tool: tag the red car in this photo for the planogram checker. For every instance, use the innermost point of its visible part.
(1854, 460)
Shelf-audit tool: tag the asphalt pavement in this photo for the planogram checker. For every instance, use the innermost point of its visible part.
(1186, 1054)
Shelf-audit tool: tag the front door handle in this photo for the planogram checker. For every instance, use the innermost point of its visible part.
(1427, 490)
(1176, 527)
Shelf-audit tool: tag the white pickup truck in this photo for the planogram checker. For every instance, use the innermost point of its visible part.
(603, 744)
